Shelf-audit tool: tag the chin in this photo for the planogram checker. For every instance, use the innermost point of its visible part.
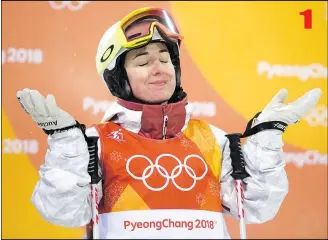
(153, 96)
(163, 97)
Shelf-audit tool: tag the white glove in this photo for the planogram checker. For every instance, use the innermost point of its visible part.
(44, 111)
(289, 113)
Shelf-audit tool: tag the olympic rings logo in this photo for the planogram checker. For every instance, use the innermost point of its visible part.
(148, 171)
(71, 5)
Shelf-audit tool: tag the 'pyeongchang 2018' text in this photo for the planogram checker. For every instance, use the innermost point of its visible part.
(169, 223)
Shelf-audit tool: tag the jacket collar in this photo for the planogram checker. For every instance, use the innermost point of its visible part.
(151, 121)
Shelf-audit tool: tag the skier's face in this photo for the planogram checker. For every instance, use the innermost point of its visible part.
(151, 73)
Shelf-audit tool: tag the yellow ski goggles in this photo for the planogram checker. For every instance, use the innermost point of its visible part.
(136, 30)
(138, 26)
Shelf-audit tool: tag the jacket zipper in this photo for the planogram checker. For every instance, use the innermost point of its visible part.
(166, 118)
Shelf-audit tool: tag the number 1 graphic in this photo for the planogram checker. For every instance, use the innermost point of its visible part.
(307, 18)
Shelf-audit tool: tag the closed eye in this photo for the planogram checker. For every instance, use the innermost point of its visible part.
(143, 64)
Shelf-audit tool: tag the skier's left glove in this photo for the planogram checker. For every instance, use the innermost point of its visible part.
(289, 113)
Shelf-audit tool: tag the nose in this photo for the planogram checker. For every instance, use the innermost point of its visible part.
(157, 68)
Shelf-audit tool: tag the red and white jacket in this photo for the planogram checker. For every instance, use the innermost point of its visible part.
(164, 175)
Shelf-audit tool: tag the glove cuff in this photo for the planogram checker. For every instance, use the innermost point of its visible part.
(77, 125)
(253, 127)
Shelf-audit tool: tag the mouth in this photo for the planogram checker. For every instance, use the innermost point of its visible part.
(159, 83)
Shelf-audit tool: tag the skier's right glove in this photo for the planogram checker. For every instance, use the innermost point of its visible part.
(45, 112)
